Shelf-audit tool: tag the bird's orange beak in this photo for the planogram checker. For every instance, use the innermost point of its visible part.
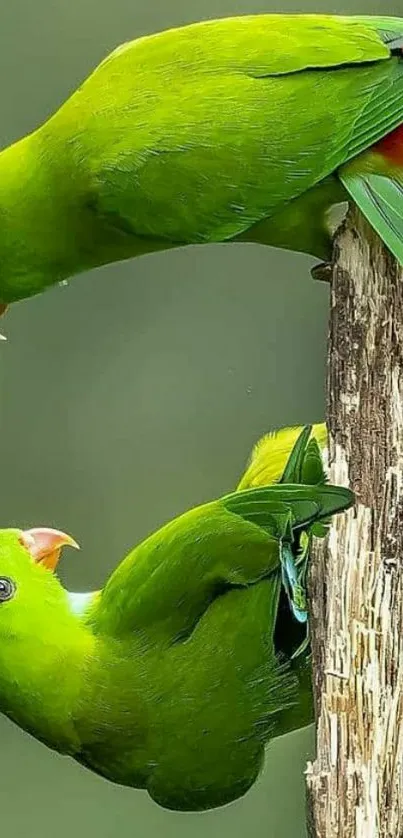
(45, 545)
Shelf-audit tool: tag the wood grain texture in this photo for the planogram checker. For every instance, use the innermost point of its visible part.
(355, 784)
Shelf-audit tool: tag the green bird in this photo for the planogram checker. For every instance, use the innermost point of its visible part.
(174, 676)
(242, 129)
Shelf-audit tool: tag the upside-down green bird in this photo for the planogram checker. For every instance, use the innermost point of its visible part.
(241, 129)
(174, 676)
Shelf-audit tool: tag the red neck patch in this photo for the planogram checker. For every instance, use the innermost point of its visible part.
(391, 146)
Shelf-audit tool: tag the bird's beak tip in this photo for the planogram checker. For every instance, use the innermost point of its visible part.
(45, 544)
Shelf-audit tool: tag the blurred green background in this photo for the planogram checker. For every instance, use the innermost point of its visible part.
(134, 393)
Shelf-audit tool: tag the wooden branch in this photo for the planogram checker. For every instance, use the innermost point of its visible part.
(355, 785)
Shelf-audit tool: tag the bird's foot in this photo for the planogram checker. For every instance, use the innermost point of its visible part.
(322, 272)
(293, 584)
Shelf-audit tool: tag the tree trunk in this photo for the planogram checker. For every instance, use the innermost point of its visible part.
(355, 785)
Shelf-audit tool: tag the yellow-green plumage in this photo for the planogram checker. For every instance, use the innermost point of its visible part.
(241, 129)
(176, 675)
(270, 455)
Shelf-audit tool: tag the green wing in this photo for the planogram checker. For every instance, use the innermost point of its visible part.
(301, 507)
(196, 134)
(168, 582)
(305, 503)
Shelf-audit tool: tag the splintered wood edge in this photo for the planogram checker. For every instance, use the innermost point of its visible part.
(354, 786)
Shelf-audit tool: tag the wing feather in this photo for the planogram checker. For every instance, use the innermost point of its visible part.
(209, 129)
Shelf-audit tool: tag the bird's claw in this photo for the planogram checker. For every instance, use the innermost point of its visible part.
(322, 272)
(293, 584)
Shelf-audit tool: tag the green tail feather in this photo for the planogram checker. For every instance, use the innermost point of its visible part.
(293, 468)
(380, 199)
(300, 500)
(286, 511)
(289, 510)
(305, 463)
(313, 471)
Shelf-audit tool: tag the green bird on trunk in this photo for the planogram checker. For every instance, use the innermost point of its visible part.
(176, 675)
(241, 129)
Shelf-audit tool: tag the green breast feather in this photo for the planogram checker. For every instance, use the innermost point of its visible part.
(177, 674)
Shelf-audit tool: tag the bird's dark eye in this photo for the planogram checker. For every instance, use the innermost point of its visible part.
(7, 589)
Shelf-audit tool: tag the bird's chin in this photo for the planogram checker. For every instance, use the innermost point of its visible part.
(45, 544)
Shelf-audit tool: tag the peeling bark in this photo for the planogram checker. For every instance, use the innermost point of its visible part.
(355, 785)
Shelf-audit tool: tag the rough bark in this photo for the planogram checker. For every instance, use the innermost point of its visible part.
(355, 785)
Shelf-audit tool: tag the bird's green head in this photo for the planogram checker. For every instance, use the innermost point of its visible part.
(43, 645)
(29, 589)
